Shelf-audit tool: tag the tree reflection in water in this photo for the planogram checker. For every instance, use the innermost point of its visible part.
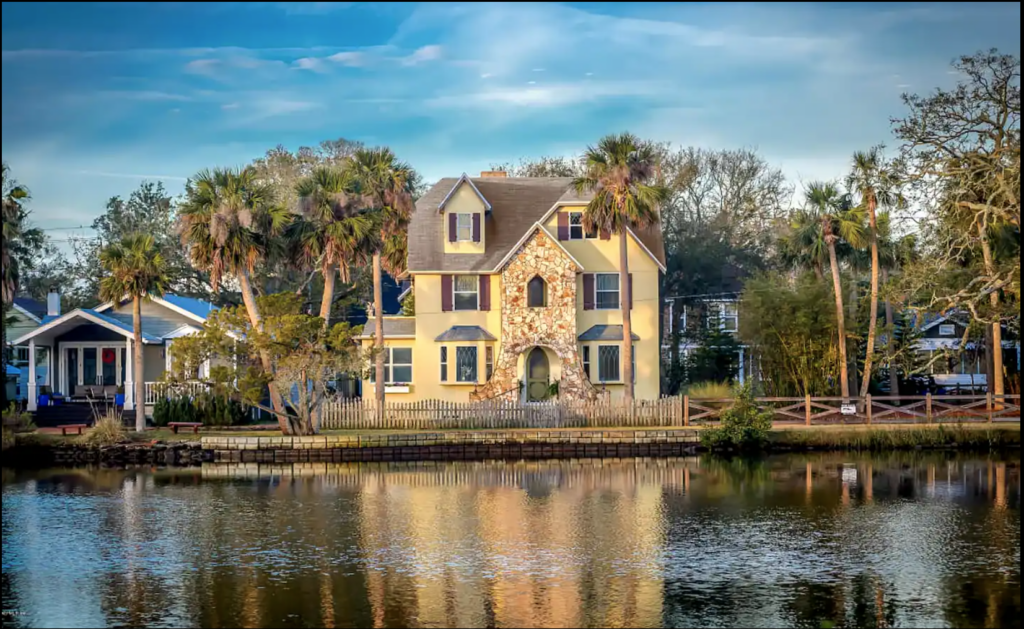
(805, 541)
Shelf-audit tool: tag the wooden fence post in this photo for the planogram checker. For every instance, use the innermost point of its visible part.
(807, 408)
(686, 410)
(928, 408)
(989, 407)
(870, 411)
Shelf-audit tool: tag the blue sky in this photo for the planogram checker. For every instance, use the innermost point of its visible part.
(98, 96)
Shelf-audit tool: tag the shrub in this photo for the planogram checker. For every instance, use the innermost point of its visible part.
(209, 409)
(16, 420)
(178, 409)
(108, 431)
(744, 426)
(710, 391)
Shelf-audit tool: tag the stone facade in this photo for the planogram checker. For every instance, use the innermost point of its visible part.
(552, 327)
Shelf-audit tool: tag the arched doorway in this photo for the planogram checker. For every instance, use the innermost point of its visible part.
(537, 375)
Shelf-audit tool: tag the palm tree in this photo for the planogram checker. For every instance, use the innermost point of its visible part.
(136, 269)
(385, 187)
(229, 223)
(332, 232)
(871, 178)
(13, 197)
(837, 221)
(893, 253)
(620, 171)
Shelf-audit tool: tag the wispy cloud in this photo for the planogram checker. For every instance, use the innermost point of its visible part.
(352, 59)
(95, 173)
(423, 54)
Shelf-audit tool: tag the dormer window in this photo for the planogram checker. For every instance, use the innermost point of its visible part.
(464, 228)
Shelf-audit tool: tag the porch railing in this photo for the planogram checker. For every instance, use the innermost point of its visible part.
(157, 390)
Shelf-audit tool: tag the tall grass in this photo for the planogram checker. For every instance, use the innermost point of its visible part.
(108, 431)
(711, 391)
(903, 439)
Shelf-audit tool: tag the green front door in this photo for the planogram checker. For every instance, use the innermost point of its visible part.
(537, 372)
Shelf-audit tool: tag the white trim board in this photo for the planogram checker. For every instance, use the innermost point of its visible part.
(26, 313)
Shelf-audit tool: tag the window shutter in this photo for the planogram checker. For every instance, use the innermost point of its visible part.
(563, 226)
(446, 293)
(606, 235)
(588, 291)
(476, 227)
(629, 291)
(453, 227)
(485, 292)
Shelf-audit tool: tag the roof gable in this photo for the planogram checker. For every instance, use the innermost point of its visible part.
(463, 180)
(516, 204)
(194, 309)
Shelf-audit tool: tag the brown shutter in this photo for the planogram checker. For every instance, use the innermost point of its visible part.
(485, 292)
(606, 235)
(563, 226)
(453, 227)
(446, 293)
(629, 290)
(476, 227)
(588, 291)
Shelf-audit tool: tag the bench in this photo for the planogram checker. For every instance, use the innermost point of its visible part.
(195, 426)
(64, 428)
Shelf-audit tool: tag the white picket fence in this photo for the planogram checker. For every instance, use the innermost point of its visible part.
(154, 391)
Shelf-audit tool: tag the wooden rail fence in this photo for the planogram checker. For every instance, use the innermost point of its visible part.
(676, 411)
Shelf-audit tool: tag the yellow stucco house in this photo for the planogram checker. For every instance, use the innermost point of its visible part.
(513, 296)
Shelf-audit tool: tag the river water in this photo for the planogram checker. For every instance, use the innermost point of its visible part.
(909, 540)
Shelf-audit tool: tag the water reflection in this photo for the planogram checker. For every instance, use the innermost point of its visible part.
(842, 541)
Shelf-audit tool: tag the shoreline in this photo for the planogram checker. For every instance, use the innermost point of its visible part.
(36, 451)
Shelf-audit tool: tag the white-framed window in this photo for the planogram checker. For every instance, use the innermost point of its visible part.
(576, 229)
(726, 314)
(489, 362)
(947, 329)
(608, 363)
(606, 291)
(465, 364)
(397, 366)
(466, 292)
(586, 361)
(463, 227)
(20, 354)
(444, 364)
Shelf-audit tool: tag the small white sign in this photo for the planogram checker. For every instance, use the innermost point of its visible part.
(848, 409)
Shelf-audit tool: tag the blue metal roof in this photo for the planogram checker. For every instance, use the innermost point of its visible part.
(37, 308)
(197, 307)
(127, 327)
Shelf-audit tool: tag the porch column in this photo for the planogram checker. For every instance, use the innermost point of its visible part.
(33, 390)
(129, 388)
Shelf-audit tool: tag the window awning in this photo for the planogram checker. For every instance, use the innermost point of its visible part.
(465, 333)
(602, 332)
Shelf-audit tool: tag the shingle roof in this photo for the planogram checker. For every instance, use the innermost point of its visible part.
(393, 326)
(516, 204)
(603, 332)
(465, 333)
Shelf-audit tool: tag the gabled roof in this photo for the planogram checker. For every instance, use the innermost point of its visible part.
(537, 227)
(464, 179)
(31, 308)
(195, 309)
(517, 203)
(91, 316)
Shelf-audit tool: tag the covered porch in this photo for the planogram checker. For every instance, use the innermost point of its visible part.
(89, 356)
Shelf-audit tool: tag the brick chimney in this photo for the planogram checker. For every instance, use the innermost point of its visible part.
(493, 173)
(53, 304)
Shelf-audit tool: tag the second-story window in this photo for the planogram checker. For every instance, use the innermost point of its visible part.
(726, 315)
(466, 292)
(464, 227)
(576, 229)
(606, 291)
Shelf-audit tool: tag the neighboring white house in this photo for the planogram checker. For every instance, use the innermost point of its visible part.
(25, 315)
(91, 347)
(963, 369)
(723, 312)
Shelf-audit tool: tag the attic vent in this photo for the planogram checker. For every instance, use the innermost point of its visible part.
(493, 173)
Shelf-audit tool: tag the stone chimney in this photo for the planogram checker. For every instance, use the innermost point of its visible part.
(53, 304)
(493, 174)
